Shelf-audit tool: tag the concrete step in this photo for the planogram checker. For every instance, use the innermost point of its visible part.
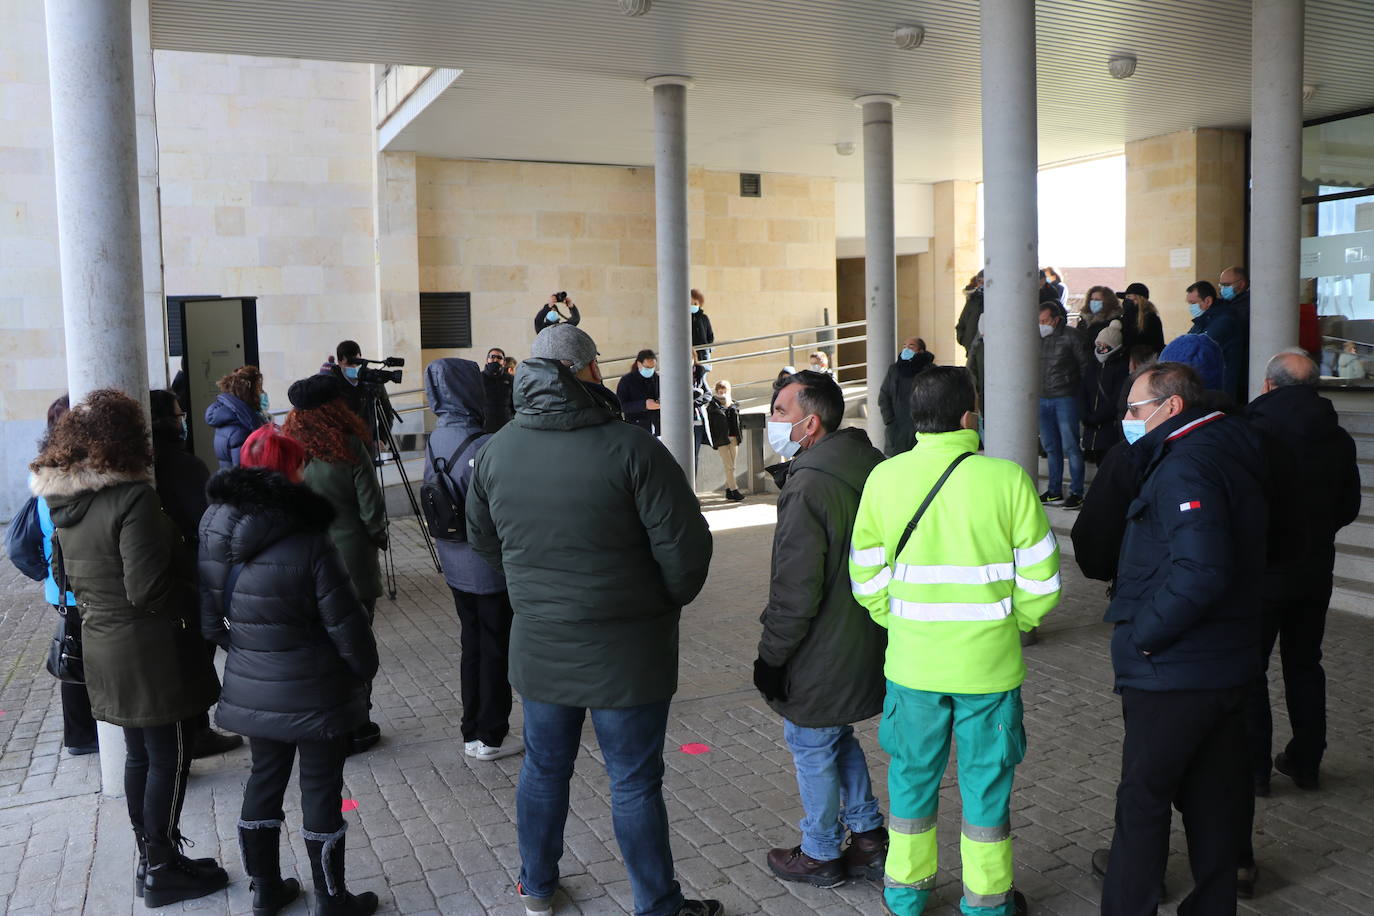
(1355, 596)
(1358, 422)
(1355, 562)
(1366, 473)
(1359, 533)
(1364, 445)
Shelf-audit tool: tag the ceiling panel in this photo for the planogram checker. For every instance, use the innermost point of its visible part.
(563, 79)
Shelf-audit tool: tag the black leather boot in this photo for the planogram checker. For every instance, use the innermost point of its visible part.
(172, 878)
(326, 851)
(142, 869)
(260, 847)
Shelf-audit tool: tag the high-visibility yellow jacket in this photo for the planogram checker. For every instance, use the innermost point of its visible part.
(981, 566)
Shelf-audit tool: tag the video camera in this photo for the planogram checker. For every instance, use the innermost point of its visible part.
(380, 376)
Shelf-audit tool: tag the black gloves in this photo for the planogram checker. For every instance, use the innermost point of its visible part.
(769, 680)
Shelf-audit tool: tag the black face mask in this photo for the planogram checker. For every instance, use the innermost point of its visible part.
(493, 368)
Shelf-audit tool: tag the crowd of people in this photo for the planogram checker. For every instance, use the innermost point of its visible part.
(902, 584)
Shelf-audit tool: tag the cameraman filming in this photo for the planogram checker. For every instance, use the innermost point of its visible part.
(362, 395)
(550, 315)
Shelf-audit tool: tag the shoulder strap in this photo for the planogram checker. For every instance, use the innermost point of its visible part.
(447, 469)
(59, 569)
(925, 504)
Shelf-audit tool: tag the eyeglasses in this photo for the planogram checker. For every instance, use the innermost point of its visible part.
(1133, 405)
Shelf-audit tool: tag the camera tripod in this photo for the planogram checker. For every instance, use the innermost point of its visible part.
(381, 416)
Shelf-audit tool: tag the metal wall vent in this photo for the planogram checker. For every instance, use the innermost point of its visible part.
(445, 321)
(750, 184)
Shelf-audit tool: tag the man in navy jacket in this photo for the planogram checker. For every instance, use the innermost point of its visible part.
(1186, 607)
(638, 393)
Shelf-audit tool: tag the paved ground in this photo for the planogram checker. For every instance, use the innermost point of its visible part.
(434, 832)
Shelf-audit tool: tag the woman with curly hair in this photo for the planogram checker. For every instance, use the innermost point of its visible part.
(236, 413)
(1100, 308)
(341, 471)
(300, 654)
(146, 666)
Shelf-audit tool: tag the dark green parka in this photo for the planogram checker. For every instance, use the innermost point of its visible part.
(601, 541)
(135, 581)
(826, 641)
(359, 526)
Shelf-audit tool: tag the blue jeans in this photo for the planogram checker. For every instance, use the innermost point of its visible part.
(832, 776)
(1059, 434)
(631, 741)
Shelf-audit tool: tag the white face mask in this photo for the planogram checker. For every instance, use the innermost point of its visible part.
(780, 437)
(1046, 330)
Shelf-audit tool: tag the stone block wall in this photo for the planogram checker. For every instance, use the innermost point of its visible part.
(512, 233)
(1185, 193)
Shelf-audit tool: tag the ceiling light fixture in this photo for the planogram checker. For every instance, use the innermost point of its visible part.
(909, 37)
(1120, 66)
(635, 7)
(845, 148)
(1309, 91)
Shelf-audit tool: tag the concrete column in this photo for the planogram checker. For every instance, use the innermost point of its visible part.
(880, 250)
(674, 281)
(1010, 235)
(1276, 170)
(95, 162)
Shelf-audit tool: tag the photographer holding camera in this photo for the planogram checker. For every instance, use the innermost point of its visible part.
(363, 389)
(550, 315)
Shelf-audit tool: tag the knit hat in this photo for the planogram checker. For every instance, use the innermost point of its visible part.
(1110, 336)
(565, 342)
(1202, 353)
(1135, 289)
(313, 391)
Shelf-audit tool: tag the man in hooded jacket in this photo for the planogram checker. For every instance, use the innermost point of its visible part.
(454, 390)
(820, 662)
(894, 398)
(602, 542)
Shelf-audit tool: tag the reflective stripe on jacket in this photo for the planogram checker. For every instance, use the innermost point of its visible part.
(981, 566)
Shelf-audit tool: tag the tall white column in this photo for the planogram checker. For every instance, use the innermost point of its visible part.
(674, 280)
(880, 250)
(1276, 173)
(95, 162)
(1011, 239)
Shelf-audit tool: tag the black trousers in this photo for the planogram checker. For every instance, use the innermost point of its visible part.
(1299, 627)
(322, 766)
(78, 725)
(484, 626)
(1185, 749)
(202, 722)
(156, 761)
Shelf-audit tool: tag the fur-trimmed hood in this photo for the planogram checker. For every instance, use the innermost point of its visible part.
(61, 487)
(251, 509)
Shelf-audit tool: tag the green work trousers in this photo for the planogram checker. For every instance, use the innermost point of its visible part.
(915, 730)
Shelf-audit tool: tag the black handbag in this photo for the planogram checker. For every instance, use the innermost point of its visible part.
(64, 653)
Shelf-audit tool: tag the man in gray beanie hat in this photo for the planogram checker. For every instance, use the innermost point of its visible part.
(602, 544)
(574, 348)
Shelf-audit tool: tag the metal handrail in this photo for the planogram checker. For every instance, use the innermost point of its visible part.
(788, 334)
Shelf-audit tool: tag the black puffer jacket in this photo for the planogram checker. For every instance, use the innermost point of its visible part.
(894, 400)
(300, 650)
(601, 540)
(827, 642)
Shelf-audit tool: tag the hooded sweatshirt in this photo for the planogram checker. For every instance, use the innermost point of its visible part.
(454, 390)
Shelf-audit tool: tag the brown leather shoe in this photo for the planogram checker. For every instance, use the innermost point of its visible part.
(795, 865)
(866, 854)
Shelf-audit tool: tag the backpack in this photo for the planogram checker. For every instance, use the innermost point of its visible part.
(440, 500)
(24, 541)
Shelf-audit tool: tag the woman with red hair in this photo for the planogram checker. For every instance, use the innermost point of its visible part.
(300, 655)
(341, 470)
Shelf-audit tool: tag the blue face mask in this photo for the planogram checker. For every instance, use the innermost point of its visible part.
(263, 402)
(1195, 310)
(1228, 292)
(1133, 430)
(553, 317)
(907, 353)
(351, 373)
(646, 372)
(1095, 306)
(184, 430)
(695, 308)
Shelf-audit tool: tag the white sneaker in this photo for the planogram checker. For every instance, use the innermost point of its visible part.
(470, 748)
(508, 748)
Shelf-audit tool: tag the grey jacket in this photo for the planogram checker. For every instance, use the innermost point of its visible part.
(827, 642)
(454, 390)
(1064, 357)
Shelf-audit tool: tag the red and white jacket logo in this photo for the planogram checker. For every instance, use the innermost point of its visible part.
(1184, 507)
